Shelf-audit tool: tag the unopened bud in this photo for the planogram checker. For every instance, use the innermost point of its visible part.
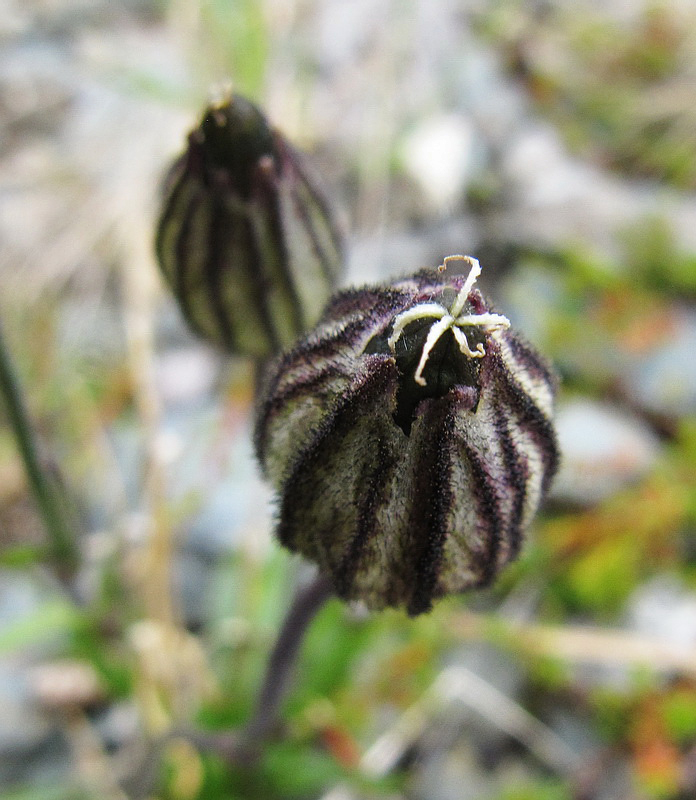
(410, 440)
(246, 240)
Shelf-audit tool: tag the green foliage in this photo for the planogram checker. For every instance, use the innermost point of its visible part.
(679, 712)
(552, 674)
(592, 313)
(236, 42)
(612, 713)
(538, 790)
(331, 649)
(287, 770)
(603, 579)
(294, 770)
(106, 652)
(653, 259)
(620, 93)
(51, 791)
(22, 556)
(49, 621)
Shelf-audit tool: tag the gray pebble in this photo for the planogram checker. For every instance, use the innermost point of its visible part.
(603, 449)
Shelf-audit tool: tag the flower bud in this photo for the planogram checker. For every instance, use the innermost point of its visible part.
(410, 440)
(246, 240)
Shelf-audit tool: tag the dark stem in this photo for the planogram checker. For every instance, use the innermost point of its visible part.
(307, 602)
(44, 490)
(242, 748)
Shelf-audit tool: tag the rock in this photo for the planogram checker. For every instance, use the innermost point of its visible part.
(453, 774)
(372, 259)
(118, 724)
(603, 448)
(529, 294)
(237, 501)
(48, 762)
(30, 746)
(555, 198)
(65, 684)
(574, 727)
(440, 154)
(664, 609)
(662, 378)
(20, 596)
(186, 375)
(22, 727)
(191, 577)
(502, 673)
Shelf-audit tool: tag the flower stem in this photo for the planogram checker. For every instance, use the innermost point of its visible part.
(242, 748)
(60, 533)
(306, 604)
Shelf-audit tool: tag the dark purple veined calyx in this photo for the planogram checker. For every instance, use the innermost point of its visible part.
(246, 239)
(410, 439)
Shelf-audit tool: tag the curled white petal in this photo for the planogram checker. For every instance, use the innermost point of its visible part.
(447, 319)
(465, 291)
(434, 334)
(487, 321)
(463, 343)
(411, 315)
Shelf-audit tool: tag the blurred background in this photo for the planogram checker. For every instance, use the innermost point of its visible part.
(556, 142)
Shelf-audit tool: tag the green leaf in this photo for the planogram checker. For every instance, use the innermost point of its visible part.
(332, 644)
(538, 790)
(296, 770)
(240, 38)
(679, 711)
(52, 618)
(22, 555)
(45, 792)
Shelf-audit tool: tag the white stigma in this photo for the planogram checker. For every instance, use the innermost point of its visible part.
(449, 318)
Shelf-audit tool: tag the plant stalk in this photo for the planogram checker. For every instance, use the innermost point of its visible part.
(242, 748)
(307, 602)
(60, 533)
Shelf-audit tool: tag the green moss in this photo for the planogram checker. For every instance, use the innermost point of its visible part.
(679, 713)
(613, 712)
(547, 789)
(620, 93)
